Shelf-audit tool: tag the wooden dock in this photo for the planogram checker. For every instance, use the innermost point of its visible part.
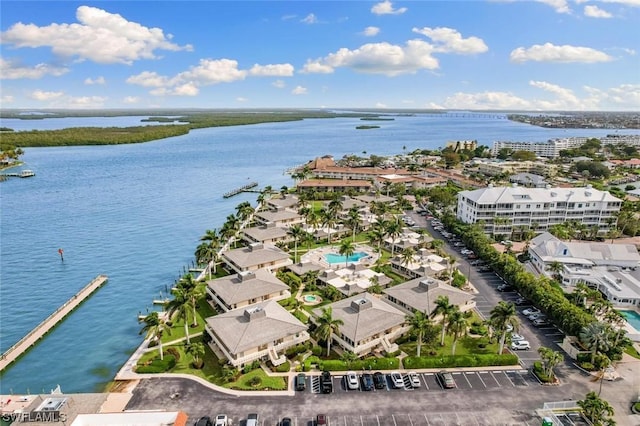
(241, 189)
(32, 338)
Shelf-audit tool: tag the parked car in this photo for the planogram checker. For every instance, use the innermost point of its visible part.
(204, 421)
(534, 317)
(520, 301)
(367, 381)
(504, 287)
(446, 380)
(516, 337)
(286, 421)
(321, 420)
(222, 420)
(530, 311)
(539, 322)
(520, 345)
(252, 420)
(352, 380)
(415, 379)
(379, 382)
(326, 382)
(396, 379)
(301, 382)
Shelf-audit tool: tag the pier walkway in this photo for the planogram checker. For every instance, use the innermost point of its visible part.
(23, 345)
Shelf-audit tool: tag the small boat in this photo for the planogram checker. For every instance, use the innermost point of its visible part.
(26, 173)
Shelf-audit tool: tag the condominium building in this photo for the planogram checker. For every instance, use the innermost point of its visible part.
(552, 147)
(503, 210)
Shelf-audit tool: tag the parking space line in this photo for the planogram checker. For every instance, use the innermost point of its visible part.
(480, 377)
(427, 419)
(410, 421)
(361, 421)
(509, 378)
(494, 378)
(468, 382)
(378, 420)
(394, 420)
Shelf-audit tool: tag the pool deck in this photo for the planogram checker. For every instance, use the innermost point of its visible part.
(317, 256)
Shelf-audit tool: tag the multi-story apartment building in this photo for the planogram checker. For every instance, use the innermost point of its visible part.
(552, 148)
(503, 210)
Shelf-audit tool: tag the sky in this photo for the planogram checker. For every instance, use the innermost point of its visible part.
(538, 55)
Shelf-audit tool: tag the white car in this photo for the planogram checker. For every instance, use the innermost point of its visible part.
(222, 420)
(534, 317)
(396, 379)
(516, 337)
(352, 380)
(415, 379)
(520, 345)
(530, 311)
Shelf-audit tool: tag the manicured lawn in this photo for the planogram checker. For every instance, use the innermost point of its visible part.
(244, 382)
(632, 351)
(177, 331)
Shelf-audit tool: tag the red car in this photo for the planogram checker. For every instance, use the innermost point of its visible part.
(321, 420)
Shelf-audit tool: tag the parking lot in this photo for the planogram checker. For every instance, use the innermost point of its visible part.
(464, 380)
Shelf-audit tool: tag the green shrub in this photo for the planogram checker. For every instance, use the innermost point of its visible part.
(283, 368)
(295, 350)
(250, 367)
(448, 361)
(538, 370)
(587, 366)
(310, 362)
(316, 350)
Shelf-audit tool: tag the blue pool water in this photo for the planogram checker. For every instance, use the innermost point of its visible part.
(336, 258)
(632, 318)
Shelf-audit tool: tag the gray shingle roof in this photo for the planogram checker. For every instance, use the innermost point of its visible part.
(510, 194)
(368, 320)
(421, 294)
(264, 233)
(234, 289)
(260, 324)
(251, 256)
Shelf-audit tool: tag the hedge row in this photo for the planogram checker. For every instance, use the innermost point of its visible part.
(360, 364)
(449, 361)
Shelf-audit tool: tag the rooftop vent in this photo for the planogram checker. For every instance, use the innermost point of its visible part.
(246, 276)
(256, 246)
(360, 305)
(255, 313)
(428, 284)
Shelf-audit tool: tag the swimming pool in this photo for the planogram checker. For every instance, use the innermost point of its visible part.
(337, 258)
(633, 318)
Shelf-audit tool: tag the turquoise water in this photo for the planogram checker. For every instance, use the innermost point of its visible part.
(632, 318)
(310, 298)
(136, 213)
(337, 258)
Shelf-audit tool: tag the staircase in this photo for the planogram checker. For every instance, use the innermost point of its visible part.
(275, 359)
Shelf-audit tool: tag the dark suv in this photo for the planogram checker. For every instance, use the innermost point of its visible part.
(301, 382)
(204, 421)
(367, 381)
(326, 382)
(379, 381)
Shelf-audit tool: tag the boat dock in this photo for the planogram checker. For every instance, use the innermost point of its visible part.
(239, 190)
(22, 174)
(24, 344)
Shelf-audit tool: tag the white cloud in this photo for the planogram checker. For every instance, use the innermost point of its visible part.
(241, 99)
(84, 102)
(186, 89)
(371, 31)
(99, 36)
(98, 80)
(386, 8)
(564, 98)
(560, 6)
(448, 40)
(273, 70)
(130, 100)
(279, 84)
(309, 19)
(299, 90)
(484, 100)
(635, 3)
(316, 67)
(11, 70)
(625, 96)
(148, 79)
(381, 105)
(41, 95)
(6, 99)
(212, 71)
(379, 58)
(549, 52)
(593, 11)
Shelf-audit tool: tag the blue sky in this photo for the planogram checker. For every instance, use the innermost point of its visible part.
(513, 55)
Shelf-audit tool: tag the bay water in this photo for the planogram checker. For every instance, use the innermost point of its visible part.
(136, 212)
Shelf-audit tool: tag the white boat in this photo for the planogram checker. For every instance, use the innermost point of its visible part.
(26, 173)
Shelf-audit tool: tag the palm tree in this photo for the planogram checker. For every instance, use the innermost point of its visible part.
(296, 232)
(394, 230)
(353, 220)
(444, 308)
(348, 357)
(327, 326)
(193, 291)
(419, 323)
(456, 326)
(207, 254)
(407, 255)
(501, 316)
(155, 327)
(596, 410)
(329, 220)
(180, 308)
(594, 337)
(377, 234)
(550, 359)
(556, 268)
(196, 350)
(346, 249)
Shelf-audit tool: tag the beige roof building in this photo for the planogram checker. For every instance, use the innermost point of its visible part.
(335, 185)
(256, 256)
(421, 294)
(240, 290)
(288, 201)
(281, 217)
(269, 234)
(258, 332)
(370, 324)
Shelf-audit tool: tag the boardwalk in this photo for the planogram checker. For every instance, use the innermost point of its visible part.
(23, 345)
